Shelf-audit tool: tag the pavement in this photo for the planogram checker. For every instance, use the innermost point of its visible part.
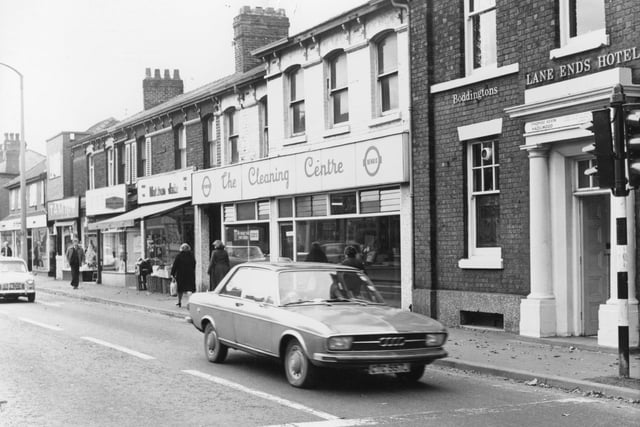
(575, 364)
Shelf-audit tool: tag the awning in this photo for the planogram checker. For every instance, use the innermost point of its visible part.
(128, 219)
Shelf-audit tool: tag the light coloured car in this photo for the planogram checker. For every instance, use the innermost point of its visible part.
(313, 316)
(15, 279)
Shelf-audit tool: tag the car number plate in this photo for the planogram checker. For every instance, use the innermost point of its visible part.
(388, 368)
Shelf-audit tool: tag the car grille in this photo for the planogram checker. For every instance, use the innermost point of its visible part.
(388, 342)
(11, 286)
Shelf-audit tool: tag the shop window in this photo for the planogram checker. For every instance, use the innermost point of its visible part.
(114, 251)
(480, 35)
(311, 205)
(385, 200)
(295, 94)
(40, 255)
(245, 211)
(343, 203)
(582, 26)
(247, 242)
(387, 73)
(285, 208)
(166, 233)
(338, 89)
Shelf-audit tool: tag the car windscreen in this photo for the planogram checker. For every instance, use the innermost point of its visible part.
(12, 267)
(326, 285)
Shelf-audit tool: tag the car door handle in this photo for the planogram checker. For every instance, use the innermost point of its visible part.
(239, 304)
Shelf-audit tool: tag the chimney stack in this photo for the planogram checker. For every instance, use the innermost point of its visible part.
(157, 89)
(254, 28)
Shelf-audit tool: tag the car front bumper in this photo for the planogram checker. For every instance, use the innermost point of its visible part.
(17, 293)
(364, 359)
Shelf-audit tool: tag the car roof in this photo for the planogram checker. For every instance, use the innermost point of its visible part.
(282, 266)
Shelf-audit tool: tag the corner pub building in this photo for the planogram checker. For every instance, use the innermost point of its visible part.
(514, 235)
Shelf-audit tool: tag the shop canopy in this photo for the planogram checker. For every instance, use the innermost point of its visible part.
(128, 219)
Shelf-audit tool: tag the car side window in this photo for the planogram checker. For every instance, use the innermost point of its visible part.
(234, 286)
(259, 286)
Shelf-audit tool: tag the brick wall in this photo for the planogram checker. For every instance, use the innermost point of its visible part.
(254, 28)
(162, 152)
(100, 169)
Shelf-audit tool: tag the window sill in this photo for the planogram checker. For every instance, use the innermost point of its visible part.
(583, 43)
(338, 130)
(479, 76)
(481, 262)
(387, 118)
(299, 139)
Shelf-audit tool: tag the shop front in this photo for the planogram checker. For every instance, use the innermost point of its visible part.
(10, 232)
(63, 216)
(350, 195)
(154, 231)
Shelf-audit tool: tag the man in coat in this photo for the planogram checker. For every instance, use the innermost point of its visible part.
(75, 258)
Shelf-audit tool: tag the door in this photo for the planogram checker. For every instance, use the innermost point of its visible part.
(286, 240)
(595, 258)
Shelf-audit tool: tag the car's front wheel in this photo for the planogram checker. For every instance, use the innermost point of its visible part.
(31, 297)
(216, 351)
(415, 373)
(297, 366)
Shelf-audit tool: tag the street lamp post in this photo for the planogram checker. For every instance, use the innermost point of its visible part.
(23, 183)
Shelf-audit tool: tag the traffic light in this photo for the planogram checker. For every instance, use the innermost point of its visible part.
(602, 149)
(632, 132)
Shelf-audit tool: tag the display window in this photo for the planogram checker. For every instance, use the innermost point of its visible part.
(165, 234)
(39, 248)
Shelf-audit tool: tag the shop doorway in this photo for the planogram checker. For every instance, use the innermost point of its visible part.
(286, 240)
(595, 214)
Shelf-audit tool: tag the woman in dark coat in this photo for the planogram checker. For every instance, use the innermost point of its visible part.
(218, 264)
(316, 254)
(184, 271)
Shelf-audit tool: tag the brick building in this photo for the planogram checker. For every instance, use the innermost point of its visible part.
(509, 232)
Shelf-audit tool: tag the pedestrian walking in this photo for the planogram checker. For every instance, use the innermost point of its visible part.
(75, 257)
(6, 250)
(183, 271)
(219, 264)
(143, 269)
(316, 254)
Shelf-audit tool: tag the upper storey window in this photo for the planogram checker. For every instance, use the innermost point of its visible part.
(231, 146)
(480, 35)
(387, 73)
(338, 88)
(582, 26)
(181, 147)
(296, 101)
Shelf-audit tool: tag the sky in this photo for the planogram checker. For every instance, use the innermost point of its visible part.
(83, 61)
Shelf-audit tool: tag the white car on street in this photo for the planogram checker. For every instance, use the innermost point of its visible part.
(16, 280)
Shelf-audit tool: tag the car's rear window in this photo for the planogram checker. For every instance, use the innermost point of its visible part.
(12, 267)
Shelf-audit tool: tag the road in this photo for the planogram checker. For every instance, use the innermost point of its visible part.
(65, 362)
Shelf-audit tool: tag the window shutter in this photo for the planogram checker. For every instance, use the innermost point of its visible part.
(127, 164)
(134, 162)
(147, 147)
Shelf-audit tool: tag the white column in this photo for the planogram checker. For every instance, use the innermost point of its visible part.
(608, 312)
(538, 310)
(201, 245)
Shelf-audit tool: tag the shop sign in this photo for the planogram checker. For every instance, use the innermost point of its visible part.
(555, 123)
(168, 186)
(63, 209)
(366, 163)
(107, 200)
(582, 66)
(473, 95)
(33, 221)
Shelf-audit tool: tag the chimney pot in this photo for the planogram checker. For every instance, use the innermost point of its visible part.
(167, 76)
(176, 74)
(147, 73)
(156, 73)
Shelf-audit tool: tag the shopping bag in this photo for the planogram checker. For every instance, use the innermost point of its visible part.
(173, 288)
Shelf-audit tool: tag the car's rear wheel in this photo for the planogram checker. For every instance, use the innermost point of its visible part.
(31, 297)
(415, 373)
(297, 366)
(216, 351)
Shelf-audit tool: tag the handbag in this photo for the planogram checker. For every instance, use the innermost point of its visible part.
(173, 288)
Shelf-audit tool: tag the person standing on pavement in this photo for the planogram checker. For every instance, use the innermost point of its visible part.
(219, 264)
(75, 257)
(183, 271)
(6, 249)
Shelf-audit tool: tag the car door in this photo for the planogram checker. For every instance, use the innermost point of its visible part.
(226, 305)
(254, 314)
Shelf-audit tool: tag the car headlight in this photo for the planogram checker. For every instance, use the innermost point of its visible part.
(340, 343)
(30, 284)
(435, 340)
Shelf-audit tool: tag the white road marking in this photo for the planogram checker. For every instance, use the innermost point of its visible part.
(119, 348)
(42, 325)
(267, 396)
(330, 423)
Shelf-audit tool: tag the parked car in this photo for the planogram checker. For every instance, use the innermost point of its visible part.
(240, 254)
(15, 279)
(312, 316)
